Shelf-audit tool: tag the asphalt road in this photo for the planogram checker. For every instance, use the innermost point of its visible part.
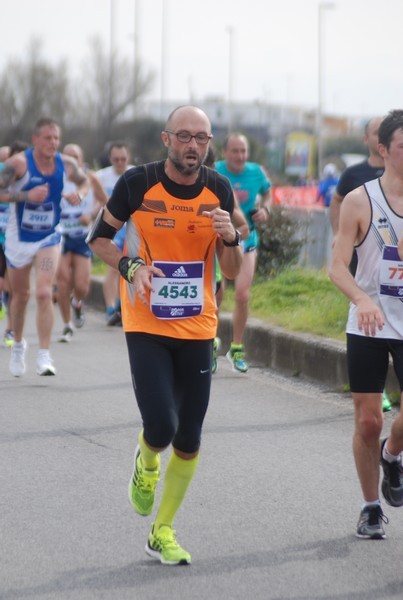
(270, 515)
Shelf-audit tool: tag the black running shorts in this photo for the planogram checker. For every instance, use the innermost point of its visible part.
(368, 362)
(2, 262)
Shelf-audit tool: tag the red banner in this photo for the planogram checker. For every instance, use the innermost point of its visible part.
(297, 197)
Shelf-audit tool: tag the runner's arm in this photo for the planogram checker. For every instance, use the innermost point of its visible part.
(334, 211)
(262, 214)
(13, 170)
(354, 219)
(100, 195)
(77, 175)
(239, 220)
(101, 235)
(229, 257)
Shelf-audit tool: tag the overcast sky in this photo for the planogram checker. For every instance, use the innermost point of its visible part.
(274, 44)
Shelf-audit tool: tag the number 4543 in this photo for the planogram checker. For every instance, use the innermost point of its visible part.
(173, 291)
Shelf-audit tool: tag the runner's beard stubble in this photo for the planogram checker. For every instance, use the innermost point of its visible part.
(181, 167)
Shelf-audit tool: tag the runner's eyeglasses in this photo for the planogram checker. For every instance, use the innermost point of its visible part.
(185, 137)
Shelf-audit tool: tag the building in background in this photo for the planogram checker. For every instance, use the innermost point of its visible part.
(274, 126)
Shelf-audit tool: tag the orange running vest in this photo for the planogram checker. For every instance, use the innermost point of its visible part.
(173, 231)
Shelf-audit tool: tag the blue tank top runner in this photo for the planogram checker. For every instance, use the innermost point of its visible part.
(39, 220)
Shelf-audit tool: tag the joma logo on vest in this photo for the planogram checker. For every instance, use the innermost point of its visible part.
(182, 208)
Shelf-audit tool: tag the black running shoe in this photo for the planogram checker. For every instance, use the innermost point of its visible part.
(78, 315)
(115, 319)
(392, 483)
(370, 526)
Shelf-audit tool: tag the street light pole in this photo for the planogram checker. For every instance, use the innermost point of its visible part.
(112, 51)
(164, 26)
(319, 120)
(137, 60)
(230, 76)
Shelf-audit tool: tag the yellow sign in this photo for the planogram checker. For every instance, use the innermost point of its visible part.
(299, 154)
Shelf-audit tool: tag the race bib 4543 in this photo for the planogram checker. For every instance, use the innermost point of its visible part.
(179, 294)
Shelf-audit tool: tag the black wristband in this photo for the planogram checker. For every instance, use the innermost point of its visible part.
(128, 266)
(236, 241)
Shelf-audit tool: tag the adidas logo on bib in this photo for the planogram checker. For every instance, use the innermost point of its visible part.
(180, 272)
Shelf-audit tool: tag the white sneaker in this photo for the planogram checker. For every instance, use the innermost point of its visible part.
(67, 334)
(44, 364)
(17, 358)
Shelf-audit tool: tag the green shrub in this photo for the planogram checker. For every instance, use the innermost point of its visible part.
(279, 246)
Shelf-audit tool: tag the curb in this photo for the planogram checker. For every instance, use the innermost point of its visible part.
(95, 296)
(294, 354)
(312, 357)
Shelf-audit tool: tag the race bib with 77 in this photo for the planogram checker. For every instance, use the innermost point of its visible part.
(391, 272)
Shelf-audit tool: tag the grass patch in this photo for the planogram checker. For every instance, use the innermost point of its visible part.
(298, 299)
(98, 266)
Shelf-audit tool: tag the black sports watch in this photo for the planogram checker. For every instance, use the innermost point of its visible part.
(236, 241)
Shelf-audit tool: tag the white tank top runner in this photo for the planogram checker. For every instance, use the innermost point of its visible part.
(380, 270)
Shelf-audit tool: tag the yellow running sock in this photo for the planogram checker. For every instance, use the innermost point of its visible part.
(178, 476)
(149, 458)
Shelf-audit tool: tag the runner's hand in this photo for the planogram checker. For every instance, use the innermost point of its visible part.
(260, 216)
(222, 224)
(139, 275)
(370, 316)
(38, 194)
(74, 199)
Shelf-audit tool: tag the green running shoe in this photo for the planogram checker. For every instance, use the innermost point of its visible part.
(216, 348)
(386, 403)
(236, 356)
(8, 339)
(142, 486)
(163, 546)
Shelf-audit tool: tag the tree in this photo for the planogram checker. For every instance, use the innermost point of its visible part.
(109, 87)
(30, 90)
(144, 138)
(91, 106)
